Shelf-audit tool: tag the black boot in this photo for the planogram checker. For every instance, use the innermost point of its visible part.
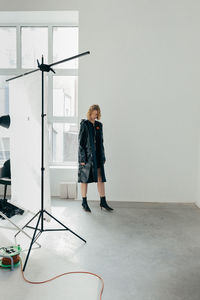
(85, 205)
(104, 204)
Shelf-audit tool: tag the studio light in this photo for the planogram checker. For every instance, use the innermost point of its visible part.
(5, 121)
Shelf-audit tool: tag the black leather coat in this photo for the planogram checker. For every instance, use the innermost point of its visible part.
(86, 152)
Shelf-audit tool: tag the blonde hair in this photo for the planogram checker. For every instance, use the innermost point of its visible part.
(94, 107)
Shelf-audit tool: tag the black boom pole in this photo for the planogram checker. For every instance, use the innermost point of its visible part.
(40, 214)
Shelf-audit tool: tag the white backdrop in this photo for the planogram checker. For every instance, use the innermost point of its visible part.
(25, 142)
(143, 71)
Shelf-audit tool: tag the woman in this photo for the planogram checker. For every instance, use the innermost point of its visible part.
(91, 156)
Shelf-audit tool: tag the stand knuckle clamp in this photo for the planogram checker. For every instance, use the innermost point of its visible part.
(44, 67)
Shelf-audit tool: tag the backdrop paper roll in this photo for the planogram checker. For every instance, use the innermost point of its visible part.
(25, 142)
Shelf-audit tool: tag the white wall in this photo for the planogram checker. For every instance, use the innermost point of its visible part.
(143, 71)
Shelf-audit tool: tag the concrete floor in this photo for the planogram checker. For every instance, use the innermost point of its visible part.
(143, 251)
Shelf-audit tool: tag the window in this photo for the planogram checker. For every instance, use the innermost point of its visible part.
(4, 96)
(65, 44)
(63, 137)
(8, 47)
(4, 110)
(4, 148)
(21, 46)
(34, 43)
(65, 90)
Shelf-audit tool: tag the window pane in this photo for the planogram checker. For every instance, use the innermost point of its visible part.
(8, 47)
(4, 95)
(64, 142)
(65, 45)
(4, 110)
(4, 149)
(34, 42)
(65, 89)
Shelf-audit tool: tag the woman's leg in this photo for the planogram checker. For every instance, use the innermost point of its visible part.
(100, 184)
(84, 189)
(101, 189)
(84, 196)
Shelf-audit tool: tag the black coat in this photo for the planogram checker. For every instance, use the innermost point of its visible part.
(86, 152)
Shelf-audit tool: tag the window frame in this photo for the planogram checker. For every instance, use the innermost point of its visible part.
(59, 72)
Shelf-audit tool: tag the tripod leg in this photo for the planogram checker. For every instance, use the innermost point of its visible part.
(64, 226)
(32, 241)
(20, 229)
(26, 224)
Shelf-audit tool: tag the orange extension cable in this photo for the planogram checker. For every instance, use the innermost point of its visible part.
(17, 258)
(67, 273)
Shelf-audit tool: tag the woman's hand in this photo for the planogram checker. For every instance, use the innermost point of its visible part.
(83, 163)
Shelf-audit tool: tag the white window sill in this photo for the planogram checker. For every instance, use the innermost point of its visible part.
(59, 167)
(64, 167)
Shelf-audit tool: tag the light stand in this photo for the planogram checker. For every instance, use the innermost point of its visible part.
(40, 214)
